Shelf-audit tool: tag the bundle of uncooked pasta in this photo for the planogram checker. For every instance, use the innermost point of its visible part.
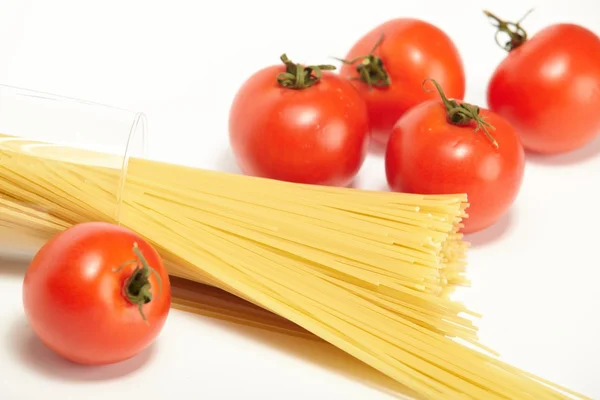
(369, 272)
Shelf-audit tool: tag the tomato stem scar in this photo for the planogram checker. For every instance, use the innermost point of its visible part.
(517, 35)
(462, 114)
(137, 286)
(371, 69)
(299, 77)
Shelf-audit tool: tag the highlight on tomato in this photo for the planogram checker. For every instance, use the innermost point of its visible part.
(388, 65)
(445, 146)
(97, 293)
(548, 85)
(302, 124)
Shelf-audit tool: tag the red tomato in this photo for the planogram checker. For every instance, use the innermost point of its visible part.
(88, 296)
(429, 154)
(548, 87)
(299, 127)
(396, 57)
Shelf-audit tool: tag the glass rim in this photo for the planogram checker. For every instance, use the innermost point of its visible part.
(136, 130)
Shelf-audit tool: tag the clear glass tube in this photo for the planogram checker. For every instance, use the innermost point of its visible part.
(58, 125)
(74, 131)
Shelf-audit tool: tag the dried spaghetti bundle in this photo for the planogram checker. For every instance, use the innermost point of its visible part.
(368, 272)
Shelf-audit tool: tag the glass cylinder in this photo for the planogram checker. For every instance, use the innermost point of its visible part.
(42, 135)
(45, 137)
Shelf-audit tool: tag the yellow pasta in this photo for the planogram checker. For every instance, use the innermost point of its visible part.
(368, 272)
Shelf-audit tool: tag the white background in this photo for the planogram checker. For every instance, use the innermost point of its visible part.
(535, 274)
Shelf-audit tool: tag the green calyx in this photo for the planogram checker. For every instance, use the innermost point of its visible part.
(137, 288)
(371, 69)
(463, 114)
(516, 34)
(299, 77)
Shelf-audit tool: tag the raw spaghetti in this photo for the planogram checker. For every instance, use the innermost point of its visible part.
(368, 272)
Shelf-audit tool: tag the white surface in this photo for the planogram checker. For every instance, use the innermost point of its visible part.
(535, 275)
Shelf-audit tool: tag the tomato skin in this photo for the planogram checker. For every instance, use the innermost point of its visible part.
(549, 89)
(74, 300)
(317, 135)
(428, 155)
(412, 51)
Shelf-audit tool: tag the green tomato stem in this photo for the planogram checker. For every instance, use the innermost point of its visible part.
(463, 114)
(371, 69)
(299, 77)
(137, 287)
(517, 35)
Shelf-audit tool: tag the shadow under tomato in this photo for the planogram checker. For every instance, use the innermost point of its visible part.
(37, 357)
(377, 148)
(226, 162)
(493, 233)
(588, 152)
(354, 184)
(12, 267)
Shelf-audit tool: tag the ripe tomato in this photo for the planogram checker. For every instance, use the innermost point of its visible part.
(389, 64)
(89, 295)
(299, 124)
(433, 152)
(548, 86)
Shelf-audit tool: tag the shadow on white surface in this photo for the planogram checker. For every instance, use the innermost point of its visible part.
(354, 184)
(12, 268)
(591, 150)
(493, 233)
(321, 354)
(35, 356)
(377, 148)
(226, 162)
